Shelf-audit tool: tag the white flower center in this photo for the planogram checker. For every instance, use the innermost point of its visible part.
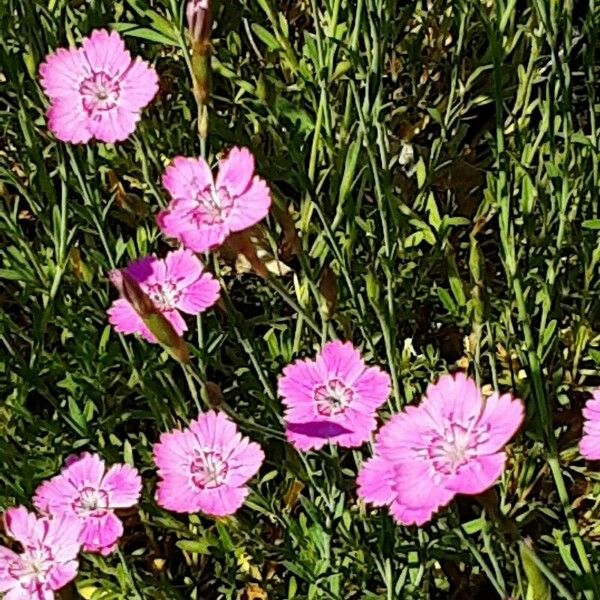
(100, 93)
(208, 469)
(332, 398)
(91, 502)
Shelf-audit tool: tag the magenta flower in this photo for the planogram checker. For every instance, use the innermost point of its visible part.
(590, 442)
(332, 398)
(203, 212)
(97, 90)
(450, 444)
(48, 560)
(87, 491)
(206, 466)
(177, 283)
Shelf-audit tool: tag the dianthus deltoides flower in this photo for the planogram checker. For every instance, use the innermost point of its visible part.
(204, 211)
(96, 90)
(590, 442)
(48, 560)
(452, 443)
(332, 398)
(173, 284)
(87, 491)
(205, 467)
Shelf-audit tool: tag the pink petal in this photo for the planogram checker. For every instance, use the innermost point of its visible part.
(375, 482)
(114, 125)
(22, 525)
(105, 52)
(100, 533)
(360, 427)
(62, 72)
(503, 416)
(124, 319)
(250, 207)
(204, 237)
(412, 516)
(244, 463)
(63, 533)
(215, 430)
(68, 121)
(177, 218)
(589, 447)
(183, 268)
(297, 387)
(139, 85)
(200, 295)
(415, 488)
(453, 398)
(222, 500)
(236, 171)
(175, 318)
(478, 475)
(86, 471)
(185, 177)
(174, 450)
(55, 495)
(123, 485)
(341, 360)
(7, 557)
(372, 388)
(61, 574)
(404, 434)
(175, 493)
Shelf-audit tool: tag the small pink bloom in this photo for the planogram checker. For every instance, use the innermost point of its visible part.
(87, 491)
(332, 398)
(203, 212)
(590, 442)
(206, 466)
(49, 557)
(96, 90)
(177, 283)
(452, 443)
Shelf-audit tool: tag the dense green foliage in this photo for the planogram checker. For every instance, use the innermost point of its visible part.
(435, 175)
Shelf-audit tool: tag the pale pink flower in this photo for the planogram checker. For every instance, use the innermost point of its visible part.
(96, 90)
(173, 284)
(452, 443)
(590, 442)
(86, 490)
(333, 398)
(205, 467)
(204, 211)
(48, 560)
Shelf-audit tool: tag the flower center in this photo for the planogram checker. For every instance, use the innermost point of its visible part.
(32, 566)
(455, 446)
(100, 93)
(91, 502)
(332, 398)
(208, 469)
(214, 206)
(164, 295)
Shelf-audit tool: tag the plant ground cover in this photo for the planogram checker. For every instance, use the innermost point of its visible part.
(435, 179)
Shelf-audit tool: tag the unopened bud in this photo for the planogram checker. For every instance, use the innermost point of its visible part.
(199, 18)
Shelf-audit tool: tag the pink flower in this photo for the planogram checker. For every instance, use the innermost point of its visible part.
(85, 490)
(49, 557)
(450, 444)
(96, 90)
(205, 467)
(332, 398)
(177, 283)
(590, 442)
(203, 212)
